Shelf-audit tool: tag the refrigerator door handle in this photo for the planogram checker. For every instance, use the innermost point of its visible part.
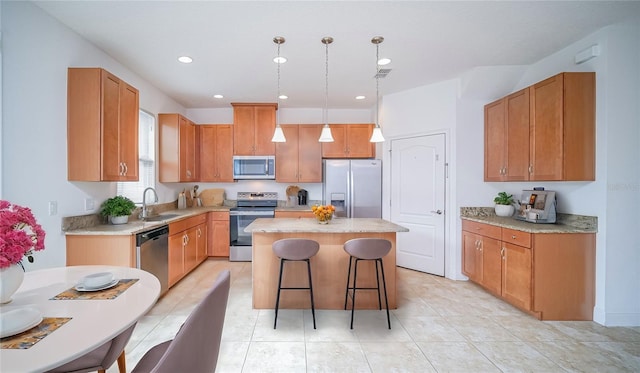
(350, 197)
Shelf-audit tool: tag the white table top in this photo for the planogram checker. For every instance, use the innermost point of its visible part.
(93, 321)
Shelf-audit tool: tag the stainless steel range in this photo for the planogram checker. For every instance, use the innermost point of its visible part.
(250, 206)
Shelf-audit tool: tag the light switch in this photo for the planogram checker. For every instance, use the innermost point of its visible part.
(53, 208)
(89, 204)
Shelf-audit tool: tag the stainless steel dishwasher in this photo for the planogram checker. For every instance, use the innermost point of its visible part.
(152, 254)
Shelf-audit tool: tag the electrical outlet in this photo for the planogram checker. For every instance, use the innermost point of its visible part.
(89, 204)
(53, 208)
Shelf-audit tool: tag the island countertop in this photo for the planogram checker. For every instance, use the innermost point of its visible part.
(336, 225)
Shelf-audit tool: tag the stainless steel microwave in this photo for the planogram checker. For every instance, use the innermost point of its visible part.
(252, 167)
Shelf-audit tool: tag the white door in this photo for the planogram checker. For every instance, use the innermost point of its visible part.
(418, 200)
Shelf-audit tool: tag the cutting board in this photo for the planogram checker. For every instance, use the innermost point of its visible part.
(212, 197)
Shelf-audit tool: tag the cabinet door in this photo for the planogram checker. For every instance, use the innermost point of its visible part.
(201, 243)
(337, 148)
(470, 247)
(358, 144)
(207, 138)
(495, 138)
(309, 154)
(218, 234)
(176, 258)
(287, 168)
(516, 145)
(547, 129)
(243, 130)
(129, 117)
(191, 249)
(224, 153)
(264, 127)
(187, 153)
(112, 168)
(516, 275)
(491, 264)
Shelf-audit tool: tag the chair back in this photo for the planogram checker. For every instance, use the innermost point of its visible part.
(295, 248)
(196, 346)
(367, 248)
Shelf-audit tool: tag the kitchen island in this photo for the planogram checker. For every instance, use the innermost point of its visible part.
(329, 266)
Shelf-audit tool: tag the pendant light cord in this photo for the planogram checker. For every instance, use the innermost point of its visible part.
(326, 84)
(377, 86)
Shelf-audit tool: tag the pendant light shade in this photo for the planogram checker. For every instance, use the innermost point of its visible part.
(376, 136)
(325, 135)
(278, 135)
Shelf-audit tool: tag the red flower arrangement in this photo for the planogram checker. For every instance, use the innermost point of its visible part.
(20, 234)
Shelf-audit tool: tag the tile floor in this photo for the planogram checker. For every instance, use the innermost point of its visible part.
(440, 326)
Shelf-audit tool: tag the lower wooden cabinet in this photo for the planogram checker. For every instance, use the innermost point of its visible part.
(218, 233)
(549, 275)
(184, 246)
(101, 250)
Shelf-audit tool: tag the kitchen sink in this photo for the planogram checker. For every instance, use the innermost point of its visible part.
(162, 217)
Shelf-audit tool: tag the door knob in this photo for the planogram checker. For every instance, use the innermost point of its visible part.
(439, 212)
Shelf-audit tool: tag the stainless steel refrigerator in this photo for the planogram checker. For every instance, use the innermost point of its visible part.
(354, 187)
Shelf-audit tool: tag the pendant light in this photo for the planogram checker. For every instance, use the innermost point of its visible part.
(326, 136)
(278, 135)
(376, 136)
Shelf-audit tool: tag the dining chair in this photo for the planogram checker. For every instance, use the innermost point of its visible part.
(101, 358)
(196, 346)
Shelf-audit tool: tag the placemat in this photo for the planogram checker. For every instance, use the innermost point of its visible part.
(111, 293)
(34, 335)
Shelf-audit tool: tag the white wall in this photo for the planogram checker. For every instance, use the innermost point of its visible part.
(613, 197)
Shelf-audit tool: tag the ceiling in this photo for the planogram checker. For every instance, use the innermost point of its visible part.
(232, 48)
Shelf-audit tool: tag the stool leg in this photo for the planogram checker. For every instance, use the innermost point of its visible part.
(275, 320)
(353, 299)
(386, 300)
(313, 309)
(346, 293)
(378, 281)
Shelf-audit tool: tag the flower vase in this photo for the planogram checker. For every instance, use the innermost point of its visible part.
(10, 280)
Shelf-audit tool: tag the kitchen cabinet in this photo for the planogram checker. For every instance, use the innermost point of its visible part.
(177, 139)
(116, 250)
(545, 132)
(218, 234)
(102, 127)
(549, 275)
(184, 246)
(506, 140)
(216, 153)
(299, 159)
(295, 214)
(350, 141)
(253, 127)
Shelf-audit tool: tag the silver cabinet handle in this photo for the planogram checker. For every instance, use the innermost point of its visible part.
(439, 212)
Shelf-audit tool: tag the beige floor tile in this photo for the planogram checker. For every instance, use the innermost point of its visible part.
(290, 326)
(479, 328)
(625, 354)
(277, 357)
(396, 357)
(430, 329)
(456, 357)
(580, 357)
(335, 357)
(371, 325)
(516, 357)
(527, 328)
(332, 326)
(232, 356)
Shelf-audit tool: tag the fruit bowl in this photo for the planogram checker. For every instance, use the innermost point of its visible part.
(323, 213)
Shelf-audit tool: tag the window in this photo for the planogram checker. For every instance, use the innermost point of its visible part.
(147, 152)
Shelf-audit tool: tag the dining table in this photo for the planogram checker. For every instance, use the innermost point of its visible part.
(74, 320)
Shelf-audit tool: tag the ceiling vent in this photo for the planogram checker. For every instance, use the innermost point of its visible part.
(382, 73)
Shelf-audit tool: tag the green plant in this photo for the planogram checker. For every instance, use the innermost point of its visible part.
(117, 206)
(503, 199)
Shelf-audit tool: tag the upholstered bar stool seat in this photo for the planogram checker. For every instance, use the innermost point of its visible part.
(295, 249)
(366, 249)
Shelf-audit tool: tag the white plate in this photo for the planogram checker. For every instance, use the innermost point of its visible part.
(81, 287)
(96, 280)
(19, 320)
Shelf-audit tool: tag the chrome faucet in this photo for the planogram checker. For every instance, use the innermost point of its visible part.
(144, 213)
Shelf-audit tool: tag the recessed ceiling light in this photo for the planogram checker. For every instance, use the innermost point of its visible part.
(280, 59)
(185, 59)
(218, 96)
(384, 61)
(283, 97)
(360, 97)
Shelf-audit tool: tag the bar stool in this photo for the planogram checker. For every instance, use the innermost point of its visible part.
(295, 249)
(366, 249)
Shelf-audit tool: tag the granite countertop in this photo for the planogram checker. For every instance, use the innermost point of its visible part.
(134, 226)
(336, 225)
(565, 223)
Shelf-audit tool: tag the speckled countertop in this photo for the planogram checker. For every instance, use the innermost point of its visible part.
(336, 225)
(566, 223)
(93, 225)
(294, 208)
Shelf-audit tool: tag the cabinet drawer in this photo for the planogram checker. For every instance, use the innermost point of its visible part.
(219, 215)
(515, 237)
(187, 223)
(482, 229)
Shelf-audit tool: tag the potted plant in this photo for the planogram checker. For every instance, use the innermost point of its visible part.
(504, 204)
(118, 209)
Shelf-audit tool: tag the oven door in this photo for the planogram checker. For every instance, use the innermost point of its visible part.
(240, 241)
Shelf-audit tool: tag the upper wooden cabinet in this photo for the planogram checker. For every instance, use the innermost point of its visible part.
(506, 138)
(253, 127)
(216, 152)
(177, 137)
(545, 132)
(102, 126)
(350, 141)
(299, 159)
